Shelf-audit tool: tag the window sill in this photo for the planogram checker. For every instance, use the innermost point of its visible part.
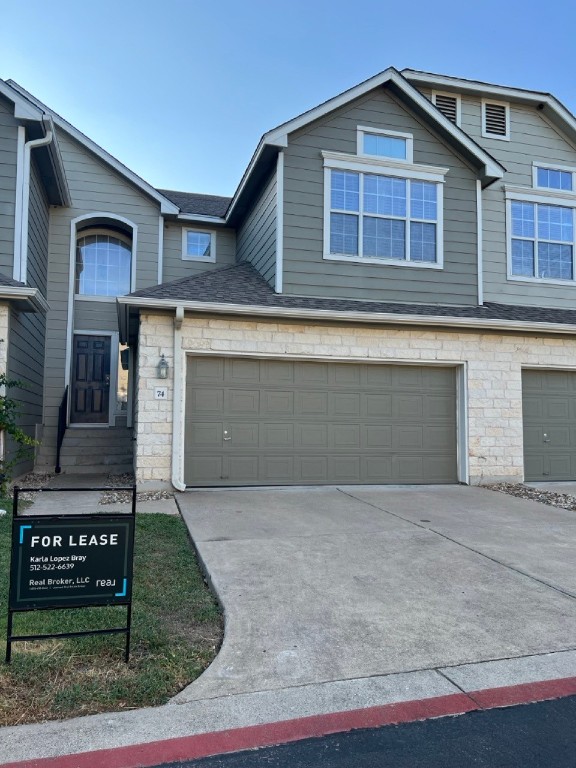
(201, 259)
(542, 280)
(105, 299)
(384, 262)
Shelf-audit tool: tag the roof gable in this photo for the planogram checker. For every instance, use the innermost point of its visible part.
(166, 206)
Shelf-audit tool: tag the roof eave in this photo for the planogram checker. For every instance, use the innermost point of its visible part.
(388, 318)
(193, 217)
(24, 298)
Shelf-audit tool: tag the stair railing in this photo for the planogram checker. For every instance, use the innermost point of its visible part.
(62, 414)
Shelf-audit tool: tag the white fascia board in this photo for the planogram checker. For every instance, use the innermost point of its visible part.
(281, 143)
(30, 295)
(23, 108)
(201, 219)
(388, 318)
(166, 206)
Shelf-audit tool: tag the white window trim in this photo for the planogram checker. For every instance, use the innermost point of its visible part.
(451, 96)
(363, 129)
(212, 232)
(519, 194)
(553, 167)
(338, 161)
(487, 135)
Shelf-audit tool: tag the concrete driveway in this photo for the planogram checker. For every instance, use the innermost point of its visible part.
(328, 584)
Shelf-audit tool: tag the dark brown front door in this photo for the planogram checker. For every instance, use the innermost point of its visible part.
(90, 380)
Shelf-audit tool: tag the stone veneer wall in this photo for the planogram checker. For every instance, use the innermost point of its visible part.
(4, 331)
(493, 373)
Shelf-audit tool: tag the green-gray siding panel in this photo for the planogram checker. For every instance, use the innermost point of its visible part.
(305, 270)
(256, 237)
(26, 365)
(38, 227)
(8, 154)
(175, 267)
(95, 316)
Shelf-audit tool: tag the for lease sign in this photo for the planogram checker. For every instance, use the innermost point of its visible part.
(58, 562)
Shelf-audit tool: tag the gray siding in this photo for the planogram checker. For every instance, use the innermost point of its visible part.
(38, 227)
(26, 344)
(174, 266)
(26, 365)
(305, 270)
(532, 138)
(94, 188)
(257, 234)
(8, 151)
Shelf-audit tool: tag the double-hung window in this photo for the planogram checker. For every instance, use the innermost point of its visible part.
(382, 214)
(542, 240)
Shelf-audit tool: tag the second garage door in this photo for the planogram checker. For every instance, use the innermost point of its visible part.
(281, 422)
(549, 412)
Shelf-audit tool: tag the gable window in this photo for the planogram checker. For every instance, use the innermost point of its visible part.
(554, 177)
(198, 245)
(495, 120)
(375, 142)
(383, 215)
(449, 104)
(542, 240)
(103, 263)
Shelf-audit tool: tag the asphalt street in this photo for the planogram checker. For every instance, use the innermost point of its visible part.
(541, 735)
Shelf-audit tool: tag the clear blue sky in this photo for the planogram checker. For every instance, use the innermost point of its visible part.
(182, 90)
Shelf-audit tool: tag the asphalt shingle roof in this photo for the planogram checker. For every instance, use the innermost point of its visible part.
(4, 280)
(242, 284)
(201, 205)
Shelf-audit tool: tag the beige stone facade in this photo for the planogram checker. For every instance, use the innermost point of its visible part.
(490, 394)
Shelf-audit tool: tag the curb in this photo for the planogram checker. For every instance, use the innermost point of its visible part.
(271, 734)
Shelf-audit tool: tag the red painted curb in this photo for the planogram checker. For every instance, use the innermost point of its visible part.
(270, 734)
(524, 693)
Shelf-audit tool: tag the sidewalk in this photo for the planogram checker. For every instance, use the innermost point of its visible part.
(350, 608)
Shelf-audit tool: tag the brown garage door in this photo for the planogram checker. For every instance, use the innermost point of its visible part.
(549, 412)
(280, 422)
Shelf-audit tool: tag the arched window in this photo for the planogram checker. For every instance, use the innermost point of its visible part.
(103, 263)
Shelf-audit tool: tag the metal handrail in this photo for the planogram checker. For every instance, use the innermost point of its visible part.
(62, 416)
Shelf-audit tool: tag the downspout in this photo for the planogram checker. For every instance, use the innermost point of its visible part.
(177, 404)
(21, 258)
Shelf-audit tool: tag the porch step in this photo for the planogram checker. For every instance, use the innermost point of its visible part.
(91, 451)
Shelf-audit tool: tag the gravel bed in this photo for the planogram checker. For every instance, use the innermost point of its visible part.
(125, 497)
(553, 499)
(35, 480)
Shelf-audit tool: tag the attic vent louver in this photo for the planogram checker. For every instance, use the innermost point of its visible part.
(495, 119)
(448, 105)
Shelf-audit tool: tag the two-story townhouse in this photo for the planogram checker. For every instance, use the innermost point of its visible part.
(387, 298)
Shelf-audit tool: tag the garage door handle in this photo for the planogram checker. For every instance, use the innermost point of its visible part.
(546, 438)
(225, 433)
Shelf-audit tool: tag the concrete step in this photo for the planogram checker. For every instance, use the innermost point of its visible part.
(97, 450)
(98, 469)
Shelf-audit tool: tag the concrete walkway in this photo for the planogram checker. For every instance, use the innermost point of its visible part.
(353, 598)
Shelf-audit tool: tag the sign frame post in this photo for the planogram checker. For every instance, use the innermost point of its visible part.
(68, 592)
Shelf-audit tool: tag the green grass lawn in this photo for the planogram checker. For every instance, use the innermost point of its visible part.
(176, 632)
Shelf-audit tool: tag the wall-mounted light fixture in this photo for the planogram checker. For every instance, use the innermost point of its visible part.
(162, 368)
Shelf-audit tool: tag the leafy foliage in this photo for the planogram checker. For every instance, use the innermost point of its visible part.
(23, 443)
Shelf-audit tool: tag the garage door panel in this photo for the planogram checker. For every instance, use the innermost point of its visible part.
(277, 403)
(440, 406)
(280, 435)
(311, 404)
(408, 406)
(242, 401)
(293, 422)
(557, 408)
(378, 437)
(344, 404)
(533, 407)
(313, 469)
(345, 436)
(378, 406)
(311, 436)
(278, 469)
(205, 434)
(346, 469)
(206, 400)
